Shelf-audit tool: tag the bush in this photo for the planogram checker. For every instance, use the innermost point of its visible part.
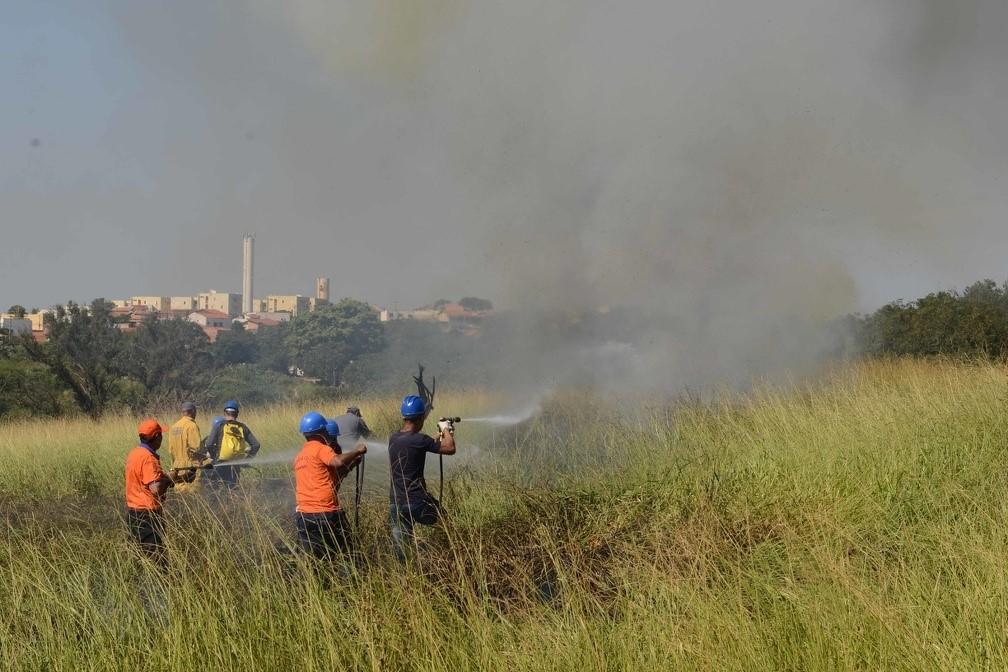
(971, 323)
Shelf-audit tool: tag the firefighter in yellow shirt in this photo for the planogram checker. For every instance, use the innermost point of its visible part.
(186, 445)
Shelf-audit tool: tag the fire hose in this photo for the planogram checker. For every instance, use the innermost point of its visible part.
(358, 489)
(447, 423)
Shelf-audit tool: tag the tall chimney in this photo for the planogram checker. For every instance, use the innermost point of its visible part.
(248, 245)
(322, 288)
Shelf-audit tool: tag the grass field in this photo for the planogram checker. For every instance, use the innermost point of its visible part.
(857, 523)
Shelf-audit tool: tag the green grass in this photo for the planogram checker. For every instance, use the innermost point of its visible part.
(860, 522)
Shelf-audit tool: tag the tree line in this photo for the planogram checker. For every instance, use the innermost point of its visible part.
(969, 323)
(90, 365)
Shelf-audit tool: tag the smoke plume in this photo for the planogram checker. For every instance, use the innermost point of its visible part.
(722, 178)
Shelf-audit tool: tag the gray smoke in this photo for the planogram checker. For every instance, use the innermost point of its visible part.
(735, 173)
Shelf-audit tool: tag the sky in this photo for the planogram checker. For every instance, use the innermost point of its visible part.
(735, 161)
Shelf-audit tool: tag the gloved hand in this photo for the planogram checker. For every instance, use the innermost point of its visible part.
(206, 463)
(446, 426)
(182, 475)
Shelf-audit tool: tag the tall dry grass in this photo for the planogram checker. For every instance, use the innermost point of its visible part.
(856, 523)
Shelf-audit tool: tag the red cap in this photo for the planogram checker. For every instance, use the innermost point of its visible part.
(150, 428)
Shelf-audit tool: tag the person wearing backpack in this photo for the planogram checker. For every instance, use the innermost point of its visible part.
(229, 441)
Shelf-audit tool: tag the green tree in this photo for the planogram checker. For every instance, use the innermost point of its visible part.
(323, 342)
(236, 346)
(17, 311)
(28, 389)
(475, 304)
(271, 348)
(82, 353)
(972, 323)
(170, 359)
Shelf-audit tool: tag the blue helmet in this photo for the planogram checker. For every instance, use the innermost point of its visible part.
(312, 422)
(413, 407)
(218, 420)
(232, 406)
(332, 429)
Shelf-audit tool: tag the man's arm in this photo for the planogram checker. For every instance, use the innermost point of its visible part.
(252, 441)
(210, 443)
(344, 462)
(344, 470)
(155, 479)
(159, 488)
(362, 429)
(195, 447)
(446, 443)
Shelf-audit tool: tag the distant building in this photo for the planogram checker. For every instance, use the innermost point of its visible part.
(453, 309)
(119, 303)
(256, 322)
(423, 315)
(224, 302)
(273, 317)
(294, 305)
(322, 288)
(38, 319)
(186, 303)
(460, 319)
(128, 318)
(215, 319)
(387, 315)
(15, 325)
(212, 333)
(157, 303)
(248, 254)
(314, 303)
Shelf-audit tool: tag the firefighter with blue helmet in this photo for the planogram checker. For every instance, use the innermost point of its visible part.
(230, 440)
(410, 501)
(332, 431)
(321, 523)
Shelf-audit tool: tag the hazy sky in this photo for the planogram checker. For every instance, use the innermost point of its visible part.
(837, 153)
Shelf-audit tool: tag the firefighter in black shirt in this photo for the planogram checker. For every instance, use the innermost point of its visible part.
(411, 503)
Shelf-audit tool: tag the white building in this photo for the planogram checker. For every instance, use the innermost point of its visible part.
(15, 325)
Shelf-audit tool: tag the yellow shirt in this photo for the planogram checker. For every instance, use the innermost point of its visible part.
(184, 441)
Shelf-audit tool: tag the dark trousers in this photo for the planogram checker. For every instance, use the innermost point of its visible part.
(223, 475)
(425, 512)
(323, 534)
(146, 528)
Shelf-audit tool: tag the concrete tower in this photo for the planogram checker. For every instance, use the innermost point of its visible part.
(248, 248)
(322, 288)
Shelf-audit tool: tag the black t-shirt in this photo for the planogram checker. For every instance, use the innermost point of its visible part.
(407, 454)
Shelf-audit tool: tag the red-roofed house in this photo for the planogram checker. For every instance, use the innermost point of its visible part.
(128, 318)
(255, 323)
(213, 332)
(207, 319)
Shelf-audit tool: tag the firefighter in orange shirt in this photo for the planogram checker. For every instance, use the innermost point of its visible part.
(146, 487)
(321, 523)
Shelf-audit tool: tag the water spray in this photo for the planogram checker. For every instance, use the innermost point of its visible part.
(260, 461)
(516, 418)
